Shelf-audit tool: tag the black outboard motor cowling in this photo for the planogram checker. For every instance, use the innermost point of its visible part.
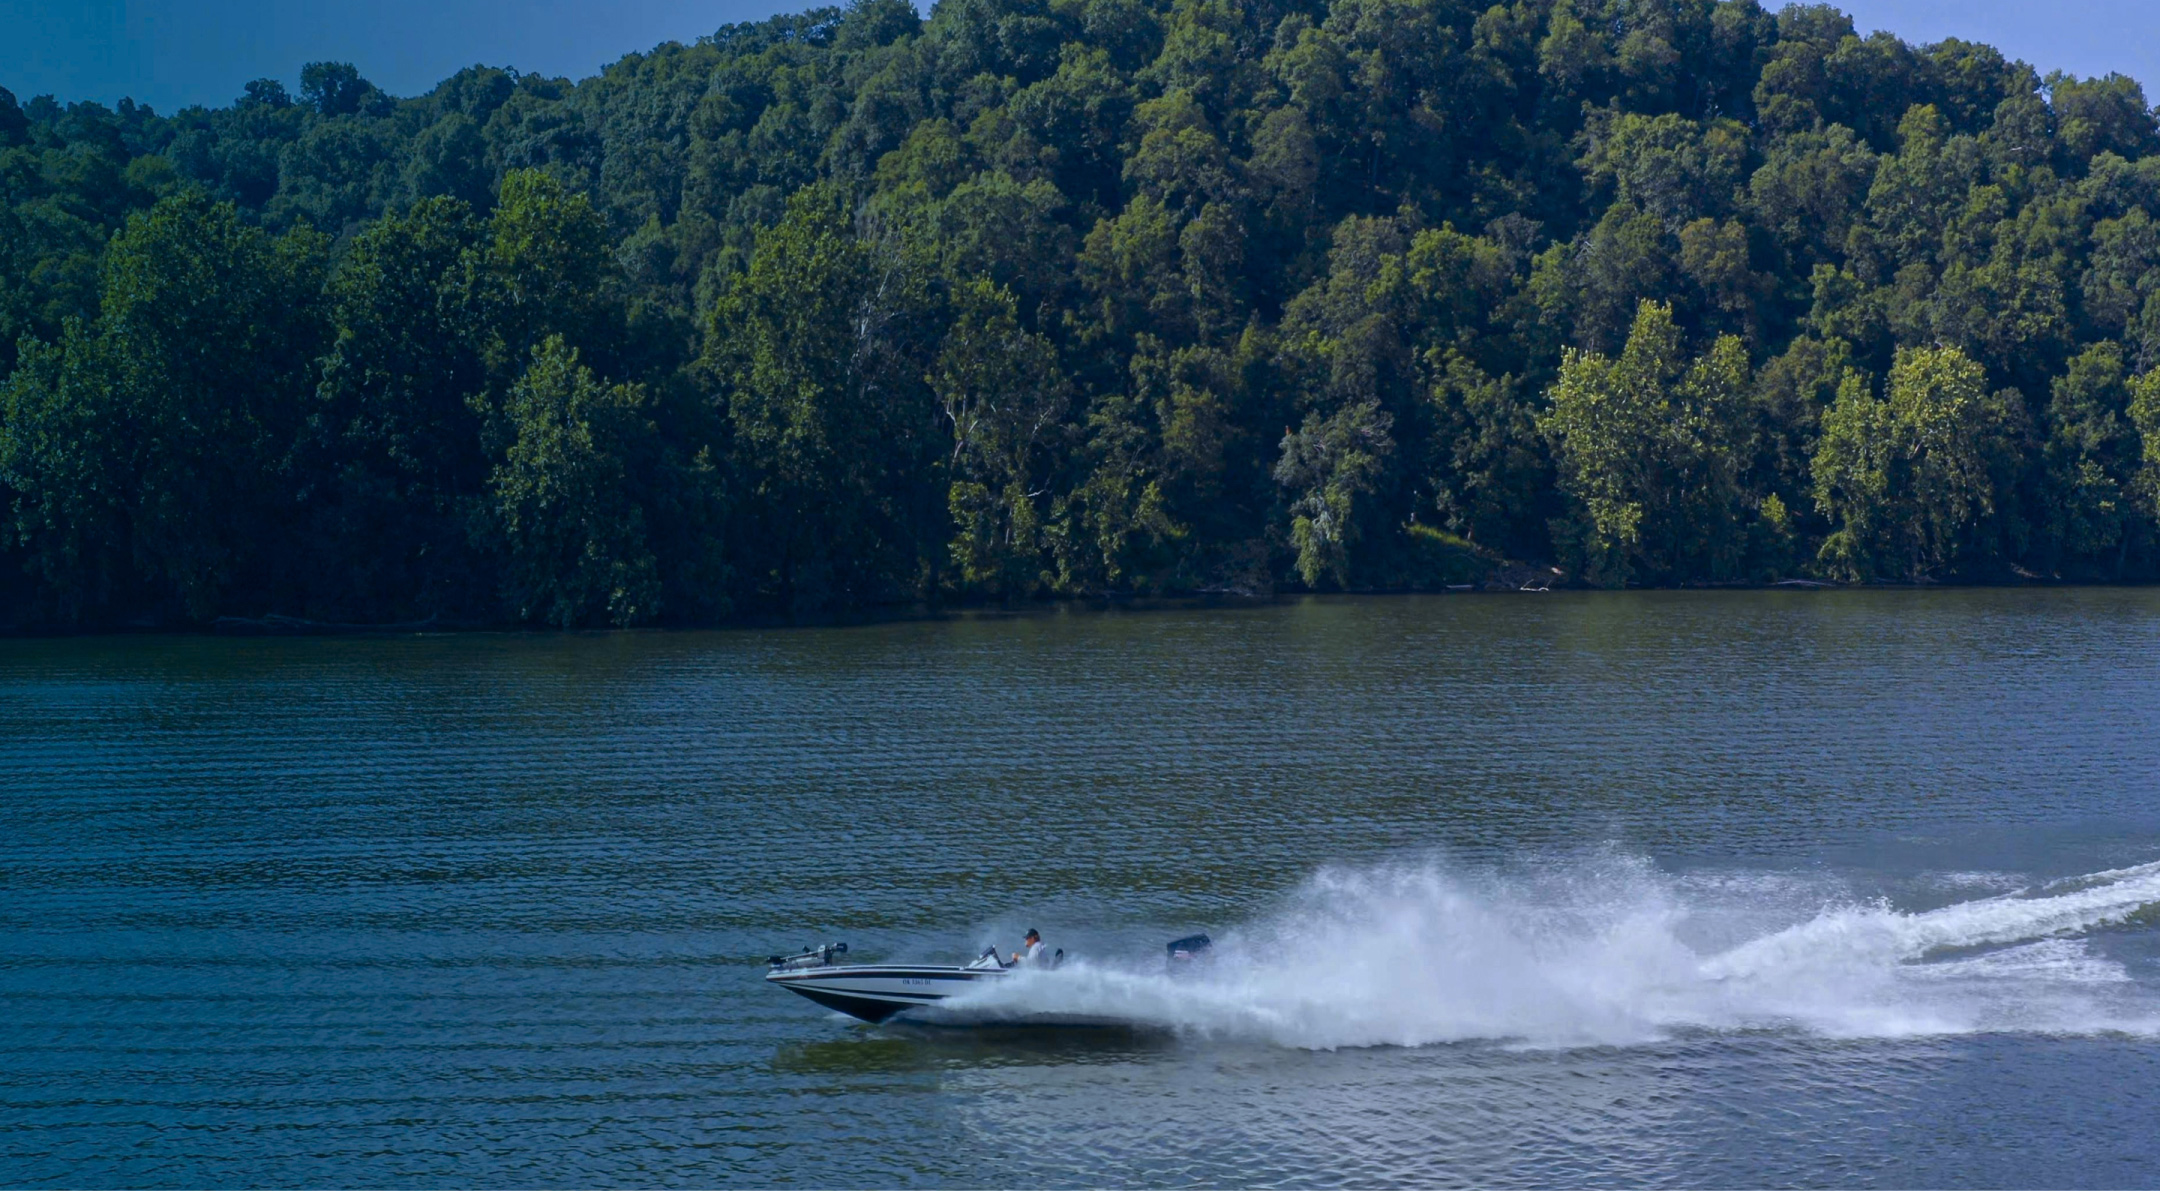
(1190, 949)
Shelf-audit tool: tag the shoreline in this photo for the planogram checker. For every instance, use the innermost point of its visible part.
(281, 626)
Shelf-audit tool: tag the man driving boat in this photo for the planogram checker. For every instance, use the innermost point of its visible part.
(1031, 949)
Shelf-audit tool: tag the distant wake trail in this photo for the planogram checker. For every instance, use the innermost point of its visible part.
(2099, 899)
(1606, 951)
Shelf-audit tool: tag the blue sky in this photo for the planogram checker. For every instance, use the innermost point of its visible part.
(174, 52)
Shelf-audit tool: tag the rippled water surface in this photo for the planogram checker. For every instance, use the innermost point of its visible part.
(1856, 888)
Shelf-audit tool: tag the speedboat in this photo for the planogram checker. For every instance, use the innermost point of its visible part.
(875, 992)
(878, 992)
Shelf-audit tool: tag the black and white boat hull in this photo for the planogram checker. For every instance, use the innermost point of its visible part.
(875, 992)
(934, 995)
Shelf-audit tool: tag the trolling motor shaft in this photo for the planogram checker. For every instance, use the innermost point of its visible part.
(808, 957)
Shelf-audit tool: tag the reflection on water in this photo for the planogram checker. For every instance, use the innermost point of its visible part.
(1819, 887)
(901, 1046)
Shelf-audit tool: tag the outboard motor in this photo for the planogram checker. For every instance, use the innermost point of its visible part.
(809, 957)
(1189, 952)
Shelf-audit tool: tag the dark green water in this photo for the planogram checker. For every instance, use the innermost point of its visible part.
(1856, 888)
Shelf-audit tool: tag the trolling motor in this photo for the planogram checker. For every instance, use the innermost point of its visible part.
(809, 957)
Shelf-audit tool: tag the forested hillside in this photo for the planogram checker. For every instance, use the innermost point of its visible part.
(1041, 297)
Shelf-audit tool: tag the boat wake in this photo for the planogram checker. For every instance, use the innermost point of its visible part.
(1609, 952)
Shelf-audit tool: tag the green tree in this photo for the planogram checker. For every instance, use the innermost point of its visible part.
(393, 460)
(545, 268)
(2088, 468)
(1003, 396)
(1348, 351)
(818, 346)
(64, 461)
(1327, 464)
(574, 535)
(2144, 412)
(450, 158)
(1491, 479)
(1113, 530)
(1913, 482)
(1651, 448)
(146, 451)
(336, 88)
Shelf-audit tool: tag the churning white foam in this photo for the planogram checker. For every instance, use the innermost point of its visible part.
(1609, 952)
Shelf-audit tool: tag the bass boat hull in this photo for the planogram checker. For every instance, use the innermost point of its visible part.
(933, 995)
(875, 992)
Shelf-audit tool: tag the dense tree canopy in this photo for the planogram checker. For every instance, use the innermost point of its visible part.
(1041, 297)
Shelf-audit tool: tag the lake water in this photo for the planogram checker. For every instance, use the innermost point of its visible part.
(1834, 887)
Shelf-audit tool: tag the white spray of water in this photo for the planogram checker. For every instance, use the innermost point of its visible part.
(1611, 954)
